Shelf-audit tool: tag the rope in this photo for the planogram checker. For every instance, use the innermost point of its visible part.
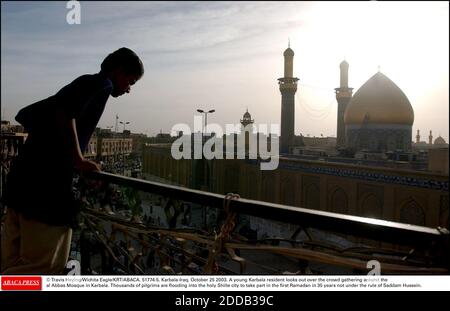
(318, 114)
(224, 235)
(327, 89)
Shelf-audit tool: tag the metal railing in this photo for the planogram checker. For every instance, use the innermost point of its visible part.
(133, 245)
(10, 147)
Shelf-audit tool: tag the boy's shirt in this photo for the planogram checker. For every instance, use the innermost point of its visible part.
(40, 182)
(84, 100)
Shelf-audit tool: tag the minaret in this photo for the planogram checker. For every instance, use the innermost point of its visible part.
(246, 120)
(418, 137)
(343, 96)
(430, 138)
(288, 87)
(247, 130)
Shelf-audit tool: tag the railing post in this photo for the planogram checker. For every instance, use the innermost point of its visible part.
(85, 261)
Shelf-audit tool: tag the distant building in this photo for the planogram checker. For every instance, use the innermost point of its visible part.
(322, 142)
(161, 138)
(91, 148)
(163, 135)
(138, 141)
(107, 146)
(438, 160)
(440, 142)
(7, 127)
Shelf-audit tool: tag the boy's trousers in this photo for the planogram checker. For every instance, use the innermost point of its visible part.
(32, 247)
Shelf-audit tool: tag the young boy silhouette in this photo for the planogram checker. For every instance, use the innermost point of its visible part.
(40, 207)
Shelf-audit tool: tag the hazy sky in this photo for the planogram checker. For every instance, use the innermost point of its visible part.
(227, 56)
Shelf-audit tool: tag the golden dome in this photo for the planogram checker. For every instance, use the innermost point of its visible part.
(379, 100)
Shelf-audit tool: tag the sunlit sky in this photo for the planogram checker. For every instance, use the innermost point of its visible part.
(227, 56)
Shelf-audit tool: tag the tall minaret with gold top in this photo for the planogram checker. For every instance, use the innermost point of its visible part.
(343, 97)
(288, 87)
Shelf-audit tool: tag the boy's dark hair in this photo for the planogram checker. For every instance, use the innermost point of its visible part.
(125, 58)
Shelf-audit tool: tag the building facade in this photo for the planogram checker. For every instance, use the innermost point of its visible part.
(407, 196)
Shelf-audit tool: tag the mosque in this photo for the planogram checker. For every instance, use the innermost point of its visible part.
(378, 118)
(374, 123)
(358, 174)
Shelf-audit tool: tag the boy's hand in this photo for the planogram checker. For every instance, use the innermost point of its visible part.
(87, 166)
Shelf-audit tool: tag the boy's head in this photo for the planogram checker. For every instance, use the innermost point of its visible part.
(123, 67)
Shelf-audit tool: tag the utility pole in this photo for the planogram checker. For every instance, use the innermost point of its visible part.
(123, 146)
(117, 124)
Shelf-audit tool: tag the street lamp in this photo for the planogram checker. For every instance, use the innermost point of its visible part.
(203, 140)
(123, 146)
(206, 116)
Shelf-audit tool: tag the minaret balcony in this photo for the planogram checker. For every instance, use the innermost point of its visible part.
(343, 92)
(288, 80)
(288, 84)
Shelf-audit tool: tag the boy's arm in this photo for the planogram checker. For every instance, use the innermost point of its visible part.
(68, 129)
(79, 161)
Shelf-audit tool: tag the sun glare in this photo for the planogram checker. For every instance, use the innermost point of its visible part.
(408, 42)
(395, 37)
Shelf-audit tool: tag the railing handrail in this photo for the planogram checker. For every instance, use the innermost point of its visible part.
(381, 230)
(11, 135)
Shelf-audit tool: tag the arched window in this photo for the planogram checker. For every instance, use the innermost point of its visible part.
(252, 186)
(339, 202)
(373, 143)
(390, 142)
(412, 213)
(312, 197)
(371, 207)
(400, 143)
(268, 189)
(288, 192)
